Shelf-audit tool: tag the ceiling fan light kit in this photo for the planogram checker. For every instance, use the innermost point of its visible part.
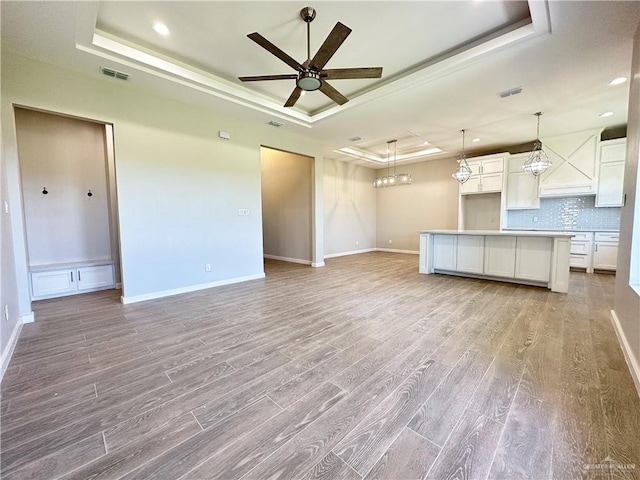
(311, 74)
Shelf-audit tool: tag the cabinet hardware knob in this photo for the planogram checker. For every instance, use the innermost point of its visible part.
(44, 190)
(89, 194)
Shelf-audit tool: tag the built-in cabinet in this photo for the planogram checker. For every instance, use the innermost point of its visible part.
(487, 175)
(581, 247)
(61, 280)
(522, 187)
(605, 251)
(499, 256)
(611, 173)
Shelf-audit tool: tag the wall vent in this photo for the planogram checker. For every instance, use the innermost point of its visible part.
(511, 92)
(109, 72)
(273, 123)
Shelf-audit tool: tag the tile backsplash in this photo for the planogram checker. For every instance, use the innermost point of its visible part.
(566, 213)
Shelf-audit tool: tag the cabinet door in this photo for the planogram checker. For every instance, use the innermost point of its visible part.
(470, 254)
(491, 183)
(522, 191)
(533, 258)
(470, 186)
(95, 278)
(605, 256)
(494, 165)
(444, 252)
(52, 283)
(613, 150)
(500, 256)
(610, 183)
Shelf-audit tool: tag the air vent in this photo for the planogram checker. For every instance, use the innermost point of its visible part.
(109, 72)
(354, 139)
(273, 123)
(511, 92)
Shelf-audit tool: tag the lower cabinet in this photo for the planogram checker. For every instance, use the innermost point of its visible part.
(470, 254)
(605, 251)
(533, 258)
(500, 256)
(58, 280)
(444, 252)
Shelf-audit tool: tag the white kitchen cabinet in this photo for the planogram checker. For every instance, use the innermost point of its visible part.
(470, 254)
(611, 173)
(487, 175)
(50, 281)
(500, 256)
(581, 247)
(573, 164)
(533, 258)
(444, 252)
(605, 251)
(522, 187)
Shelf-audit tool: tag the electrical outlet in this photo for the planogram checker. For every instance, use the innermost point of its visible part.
(535, 219)
(390, 241)
(6, 312)
(207, 267)
(357, 243)
(243, 212)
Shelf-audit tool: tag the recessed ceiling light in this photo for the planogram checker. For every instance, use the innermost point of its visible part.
(618, 81)
(606, 114)
(475, 140)
(161, 28)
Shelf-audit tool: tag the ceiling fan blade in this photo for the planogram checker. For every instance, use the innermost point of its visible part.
(259, 78)
(347, 73)
(333, 94)
(293, 98)
(271, 48)
(338, 35)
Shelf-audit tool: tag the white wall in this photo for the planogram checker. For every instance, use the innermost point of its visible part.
(350, 207)
(286, 204)
(431, 201)
(626, 300)
(179, 186)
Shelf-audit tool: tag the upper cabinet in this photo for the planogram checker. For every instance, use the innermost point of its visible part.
(574, 167)
(611, 173)
(522, 187)
(487, 175)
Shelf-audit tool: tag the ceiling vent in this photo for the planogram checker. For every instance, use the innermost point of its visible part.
(354, 139)
(273, 123)
(109, 72)
(511, 92)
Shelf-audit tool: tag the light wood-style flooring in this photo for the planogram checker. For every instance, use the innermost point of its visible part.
(363, 369)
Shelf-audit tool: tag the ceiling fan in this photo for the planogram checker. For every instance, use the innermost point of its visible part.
(311, 74)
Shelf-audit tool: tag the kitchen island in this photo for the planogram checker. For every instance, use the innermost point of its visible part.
(527, 257)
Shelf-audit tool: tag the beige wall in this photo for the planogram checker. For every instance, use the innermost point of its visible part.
(349, 208)
(626, 300)
(431, 201)
(286, 204)
(482, 211)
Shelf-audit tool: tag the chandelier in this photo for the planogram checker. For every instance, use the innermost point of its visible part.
(392, 179)
(463, 172)
(538, 161)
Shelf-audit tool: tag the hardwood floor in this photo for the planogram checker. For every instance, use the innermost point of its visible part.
(363, 369)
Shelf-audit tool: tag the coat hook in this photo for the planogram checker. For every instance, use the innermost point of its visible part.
(89, 194)
(44, 190)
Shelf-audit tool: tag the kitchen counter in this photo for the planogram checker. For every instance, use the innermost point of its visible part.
(539, 258)
(607, 230)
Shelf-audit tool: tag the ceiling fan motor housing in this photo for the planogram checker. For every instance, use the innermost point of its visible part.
(308, 14)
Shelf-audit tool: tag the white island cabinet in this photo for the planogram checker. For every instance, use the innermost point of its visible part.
(532, 258)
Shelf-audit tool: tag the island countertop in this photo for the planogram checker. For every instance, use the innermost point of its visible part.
(509, 233)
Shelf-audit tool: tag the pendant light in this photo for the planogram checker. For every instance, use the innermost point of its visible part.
(392, 179)
(463, 172)
(538, 161)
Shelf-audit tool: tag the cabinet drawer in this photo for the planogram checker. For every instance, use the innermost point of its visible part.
(612, 153)
(581, 236)
(580, 248)
(579, 261)
(607, 237)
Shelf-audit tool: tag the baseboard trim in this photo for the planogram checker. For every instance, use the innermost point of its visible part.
(288, 259)
(193, 288)
(393, 250)
(352, 252)
(632, 361)
(11, 346)
(317, 264)
(29, 318)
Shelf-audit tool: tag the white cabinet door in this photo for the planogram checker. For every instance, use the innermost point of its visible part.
(491, 183)
(500, 256)
(533, 258)
(95, 278)
(605, 256)
(493, 165)
(522, 191)
(610, 183)
(470, 254)
(470, 186)
(52, 283)
(444, 252)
